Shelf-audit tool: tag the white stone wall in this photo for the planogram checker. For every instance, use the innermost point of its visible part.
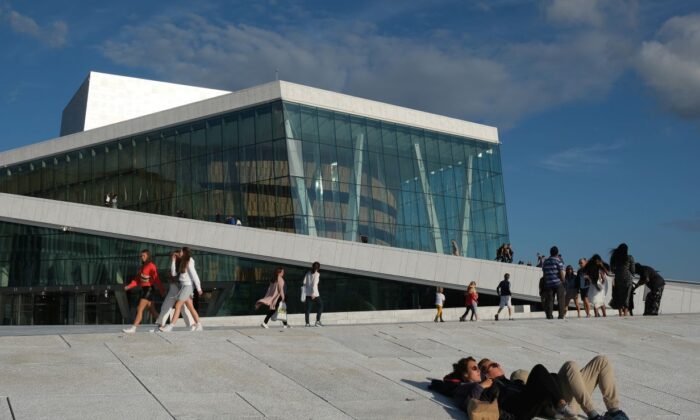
(285, 248)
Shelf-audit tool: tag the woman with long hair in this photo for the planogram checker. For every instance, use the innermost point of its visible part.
(166, 309)
(147, 279)
(275, 295)
(187, 275)
(572, 290)
(597, 271)
(312, 295)
(471, 301)
(622, 265)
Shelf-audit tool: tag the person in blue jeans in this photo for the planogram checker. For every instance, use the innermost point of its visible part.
(312, 295)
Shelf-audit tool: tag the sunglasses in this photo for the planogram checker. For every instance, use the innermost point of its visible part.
(474, 368)
(492, 365)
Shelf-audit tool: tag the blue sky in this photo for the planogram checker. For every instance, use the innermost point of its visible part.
(597, 102)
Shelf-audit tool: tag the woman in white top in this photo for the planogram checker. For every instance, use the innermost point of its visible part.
(597, 272)
(166, 309)
(311, 290)
(187, 275)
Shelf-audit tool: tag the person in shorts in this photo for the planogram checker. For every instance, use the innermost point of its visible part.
(503, 291)
(147, 280)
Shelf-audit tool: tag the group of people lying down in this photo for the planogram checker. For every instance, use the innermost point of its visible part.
(537, 393)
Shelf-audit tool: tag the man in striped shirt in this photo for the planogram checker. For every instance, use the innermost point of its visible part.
(553, 271)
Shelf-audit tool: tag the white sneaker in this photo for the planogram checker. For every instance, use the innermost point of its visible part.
(198, 327)
(318, 324)
(264, 325)
(308, 325)
(130, 330)
(167, 328)
(286, 326)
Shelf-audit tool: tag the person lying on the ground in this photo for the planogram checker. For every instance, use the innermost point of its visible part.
(577, 385)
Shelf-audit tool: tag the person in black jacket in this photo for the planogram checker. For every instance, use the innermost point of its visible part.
(651, 278)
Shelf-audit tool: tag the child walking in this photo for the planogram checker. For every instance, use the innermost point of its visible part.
(439, 301)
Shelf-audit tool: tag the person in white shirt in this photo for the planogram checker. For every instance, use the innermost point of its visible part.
(439, 301)
(312, 296)
(166, 309)
(187, 276)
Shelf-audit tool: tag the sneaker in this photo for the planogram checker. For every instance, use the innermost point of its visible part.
(167, 328)
(565, 412)
(496, 317)
(264, 325)
(198, 327)
(461, 319)
(318, 324)
(616, 415)
(286, 326)
(308, 325)
(130, 330)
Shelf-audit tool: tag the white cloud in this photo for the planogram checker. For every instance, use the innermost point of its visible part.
(670, 65)
(54, 35)
(496, 85)
(575, 11)
(582, 159)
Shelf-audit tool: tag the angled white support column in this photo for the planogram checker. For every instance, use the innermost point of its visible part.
(466, 208)
(296, 172)
(355, 191)
(429, 203)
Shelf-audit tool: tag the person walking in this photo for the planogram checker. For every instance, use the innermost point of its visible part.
(439, 301)
(597, 271)
(553, 271)
(503, 290)
(311, 281)
(167, 308)
(274, 297)
(187, 276)
(572, 290)
(622, 265)
(584, 284)
(147, 279)
(653, 280)
(471, 301)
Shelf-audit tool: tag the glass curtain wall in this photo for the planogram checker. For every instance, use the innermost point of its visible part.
(233, 164)
(298, 169)
(360, 179)
(44, 274)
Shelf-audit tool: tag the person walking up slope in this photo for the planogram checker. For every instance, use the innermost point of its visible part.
(439, 301)
(503, 291)
(275, 296)
(312, 295)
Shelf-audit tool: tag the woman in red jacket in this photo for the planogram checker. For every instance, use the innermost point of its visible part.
(147, 279)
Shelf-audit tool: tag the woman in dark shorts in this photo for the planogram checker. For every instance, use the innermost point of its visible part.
(147, 280)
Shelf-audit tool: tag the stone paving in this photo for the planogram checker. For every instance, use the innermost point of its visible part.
(362, 372)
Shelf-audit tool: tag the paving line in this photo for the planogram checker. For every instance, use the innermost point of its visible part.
(288, 377)
(651, 405)
(401, 345)
(419, 367)
(65, 341)
(9, 405)
(254, 407)
(139, 381)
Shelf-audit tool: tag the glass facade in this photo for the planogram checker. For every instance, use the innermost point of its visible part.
(48, 276)
(279, 165)
(295, 168)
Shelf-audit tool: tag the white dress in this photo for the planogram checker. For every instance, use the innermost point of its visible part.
(595, 296)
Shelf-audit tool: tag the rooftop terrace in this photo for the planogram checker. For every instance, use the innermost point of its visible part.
(363, 371)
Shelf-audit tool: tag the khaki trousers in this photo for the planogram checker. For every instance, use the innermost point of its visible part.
(579, 384)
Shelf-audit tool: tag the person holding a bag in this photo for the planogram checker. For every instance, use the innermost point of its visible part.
(310, 293)
(275, 296)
